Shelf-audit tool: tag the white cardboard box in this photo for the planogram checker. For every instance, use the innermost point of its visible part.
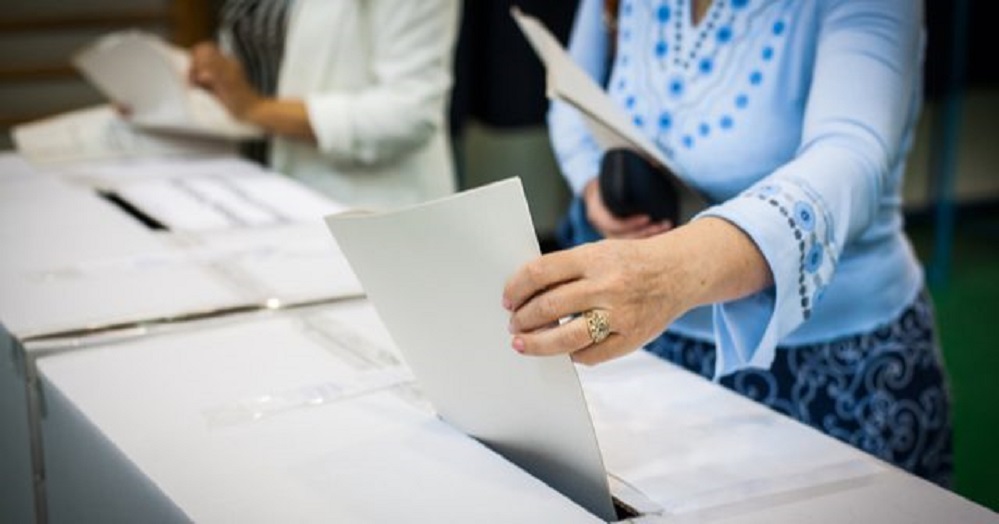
(57, 241)
(73, 264)
(153, 429)
(683, 449)
(301, 417)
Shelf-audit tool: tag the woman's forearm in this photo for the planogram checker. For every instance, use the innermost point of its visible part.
(280, 117)
(715, 261)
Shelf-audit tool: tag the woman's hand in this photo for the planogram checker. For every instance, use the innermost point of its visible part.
(610, 226)
(223, 76)
(634, 282)
(641, 286)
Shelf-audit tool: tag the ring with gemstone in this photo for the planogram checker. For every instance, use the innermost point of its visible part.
(597, 324)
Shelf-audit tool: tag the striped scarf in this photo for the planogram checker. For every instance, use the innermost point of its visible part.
(256, 29)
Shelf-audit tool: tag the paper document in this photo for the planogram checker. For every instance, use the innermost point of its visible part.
(608, 124)
(99, 133)
(435, 274)
(149, 76)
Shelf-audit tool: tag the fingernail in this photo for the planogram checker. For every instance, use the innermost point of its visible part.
(518, 344)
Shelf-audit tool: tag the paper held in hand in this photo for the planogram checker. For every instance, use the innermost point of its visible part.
(435, 274)
(609, 125)
(148, 75)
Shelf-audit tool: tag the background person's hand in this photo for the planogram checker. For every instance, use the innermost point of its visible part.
(610, 226)
(223, 76)
(635, 283)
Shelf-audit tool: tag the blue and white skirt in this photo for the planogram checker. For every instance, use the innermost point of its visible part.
(884, 392)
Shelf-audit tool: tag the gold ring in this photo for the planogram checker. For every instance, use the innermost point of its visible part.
(598, 325)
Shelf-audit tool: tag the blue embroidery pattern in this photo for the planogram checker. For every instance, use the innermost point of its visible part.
(707, 76)
(811, 226)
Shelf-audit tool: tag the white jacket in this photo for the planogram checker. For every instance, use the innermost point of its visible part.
(376, 77)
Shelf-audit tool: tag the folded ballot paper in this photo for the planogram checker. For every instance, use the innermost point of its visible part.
(435, 274)
(609, 125)
(148, 75)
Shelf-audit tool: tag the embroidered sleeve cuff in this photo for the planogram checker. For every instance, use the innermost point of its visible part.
(791, 227)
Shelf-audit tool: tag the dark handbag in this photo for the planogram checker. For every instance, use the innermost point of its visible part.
(631, 185)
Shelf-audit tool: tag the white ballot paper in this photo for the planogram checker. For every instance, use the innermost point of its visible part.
(435, 274)
(147, 74)
(610, 126)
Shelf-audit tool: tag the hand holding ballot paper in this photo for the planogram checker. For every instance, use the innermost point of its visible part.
(434, 273)
(150, 77)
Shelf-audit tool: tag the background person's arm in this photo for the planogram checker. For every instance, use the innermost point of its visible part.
(413, 43)
(224, 76)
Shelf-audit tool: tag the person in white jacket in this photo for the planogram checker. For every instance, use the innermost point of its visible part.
(352, 94)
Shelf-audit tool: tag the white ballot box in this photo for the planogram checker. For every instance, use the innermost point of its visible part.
(201, 193)
(16, 486)
(71, 261)
(683, 449)
(75, 264)
(308, 417)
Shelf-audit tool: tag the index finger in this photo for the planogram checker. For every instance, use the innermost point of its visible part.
(542, 273)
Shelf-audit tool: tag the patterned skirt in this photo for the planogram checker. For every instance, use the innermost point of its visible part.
(884, 392)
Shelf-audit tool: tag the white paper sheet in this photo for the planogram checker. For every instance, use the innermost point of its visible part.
(148, 75)
(99, 133)
(609, 125)
(435, 274)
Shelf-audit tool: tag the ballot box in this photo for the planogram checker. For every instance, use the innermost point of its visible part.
(201, 193)
(77, 264)
(307, 416)
(72, 262)
(311, 415)
(685, 449)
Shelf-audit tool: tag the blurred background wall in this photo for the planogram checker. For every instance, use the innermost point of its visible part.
(497, 122)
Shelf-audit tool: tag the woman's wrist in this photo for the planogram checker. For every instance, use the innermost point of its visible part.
(707, 261)
(251, 109)
(288, 118)
(673, 275)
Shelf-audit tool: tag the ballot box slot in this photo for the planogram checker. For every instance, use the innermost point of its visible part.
(623, 510)
(132, 211)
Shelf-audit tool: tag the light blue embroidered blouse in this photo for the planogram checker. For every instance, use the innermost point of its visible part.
(796, 118)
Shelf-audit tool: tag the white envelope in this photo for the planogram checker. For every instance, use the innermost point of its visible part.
(435, 274)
